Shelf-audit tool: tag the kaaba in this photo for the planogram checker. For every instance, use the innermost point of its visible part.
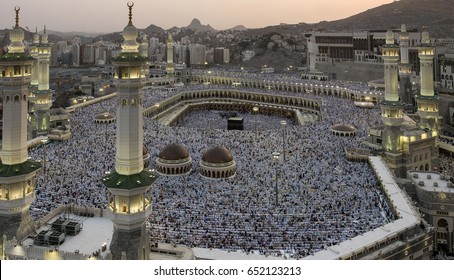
(235, 123)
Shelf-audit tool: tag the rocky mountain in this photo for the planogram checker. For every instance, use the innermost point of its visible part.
(197, 26)
(28, 35)
(71, 34)
(238, 28)
(153, 29)
(437, 15)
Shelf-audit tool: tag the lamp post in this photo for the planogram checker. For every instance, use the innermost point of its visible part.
(105, 120)
(255, 111)
(283, 125)
(44, 142)
(157, 118)
(276, 157)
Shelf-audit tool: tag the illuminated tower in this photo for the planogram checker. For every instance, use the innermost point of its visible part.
(391, 107)
(143, 49)
(129, 196)
(17, 171)
(34, 52)
(427, 101)
(43, 96)
(405, 88)
(170, 67)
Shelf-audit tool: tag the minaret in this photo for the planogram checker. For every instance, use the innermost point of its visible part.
(144, 52)
(170, 67)
(129, 195)
(405, 87)
(391, 107)
(34, 53)
(43, 96)
(17, 171)
(427, 101)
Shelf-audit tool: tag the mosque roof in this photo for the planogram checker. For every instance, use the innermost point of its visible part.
(217, 155)
(344, 128)
(105, 116)
(174, 152)
(19, 169)
(130, 57)
(16, 57)
(129, 182)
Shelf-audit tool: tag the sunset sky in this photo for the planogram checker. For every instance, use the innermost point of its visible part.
(111, 15)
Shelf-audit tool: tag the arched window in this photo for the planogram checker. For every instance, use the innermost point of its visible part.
(442, 223)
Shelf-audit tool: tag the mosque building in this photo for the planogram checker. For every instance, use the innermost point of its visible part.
(408, 144)
(409, 148)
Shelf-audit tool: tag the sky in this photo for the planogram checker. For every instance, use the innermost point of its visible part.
(112, 15)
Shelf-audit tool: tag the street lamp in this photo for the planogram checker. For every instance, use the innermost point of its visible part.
(106, 115)
(44, 142)
(276, 157)
(283, 124)
(157, 118)
(255, 110)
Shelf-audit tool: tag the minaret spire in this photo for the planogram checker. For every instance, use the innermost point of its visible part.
(130, 5)
(17, 9)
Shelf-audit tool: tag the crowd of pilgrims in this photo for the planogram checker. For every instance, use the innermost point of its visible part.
(322, 198)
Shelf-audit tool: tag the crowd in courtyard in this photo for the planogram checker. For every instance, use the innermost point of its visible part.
(311, 199)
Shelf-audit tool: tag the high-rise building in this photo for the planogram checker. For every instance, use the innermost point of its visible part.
(129, 197)
(197, 54)
(221, 56)
(17, 171)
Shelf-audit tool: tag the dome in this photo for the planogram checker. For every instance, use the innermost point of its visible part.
(344, 130)
(105, 117)
(36, 37)
(44, 37)
(174, 152)
(130, 34)
(425, 37)
(16, 36)
(217, 155)
(403, 28)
